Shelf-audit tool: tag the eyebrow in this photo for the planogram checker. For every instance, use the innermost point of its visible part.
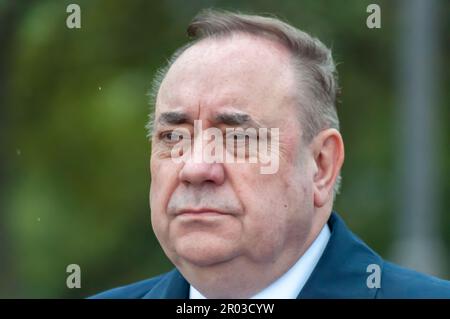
(227, 118)
(236, 119)
(173, 118)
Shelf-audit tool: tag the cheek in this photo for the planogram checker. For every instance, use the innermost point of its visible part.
(164, 179)
(155, 187)
(164, 176)
(262, 200)
(276, 206)
(265, 228)
(274, 222)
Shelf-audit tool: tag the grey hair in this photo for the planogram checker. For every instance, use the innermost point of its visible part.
(311, 58)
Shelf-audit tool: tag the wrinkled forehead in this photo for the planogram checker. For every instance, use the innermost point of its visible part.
(243, 72)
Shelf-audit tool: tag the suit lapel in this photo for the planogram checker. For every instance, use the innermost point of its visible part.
(171, 286)
(341, 271)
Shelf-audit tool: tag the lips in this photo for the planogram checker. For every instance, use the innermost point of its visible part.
(200, 212)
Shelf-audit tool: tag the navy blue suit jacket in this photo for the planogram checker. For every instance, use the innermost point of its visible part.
(340, 273)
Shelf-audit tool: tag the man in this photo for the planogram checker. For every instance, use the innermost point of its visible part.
(230, 230)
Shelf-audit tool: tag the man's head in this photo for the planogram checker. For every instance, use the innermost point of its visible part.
(244, 71)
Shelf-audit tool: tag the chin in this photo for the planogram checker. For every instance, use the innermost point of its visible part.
(204, 250)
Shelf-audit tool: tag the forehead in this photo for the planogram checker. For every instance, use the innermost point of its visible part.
(243, 72)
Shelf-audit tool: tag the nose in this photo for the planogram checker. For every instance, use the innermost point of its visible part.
(198, 171)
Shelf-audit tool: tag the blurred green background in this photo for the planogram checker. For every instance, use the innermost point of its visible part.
(74, 169)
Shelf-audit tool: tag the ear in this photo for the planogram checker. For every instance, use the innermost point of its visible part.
(328, 152)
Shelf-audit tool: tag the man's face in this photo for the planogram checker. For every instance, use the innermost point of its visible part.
(254, 217)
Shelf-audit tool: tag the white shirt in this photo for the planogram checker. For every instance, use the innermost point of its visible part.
(289, 285)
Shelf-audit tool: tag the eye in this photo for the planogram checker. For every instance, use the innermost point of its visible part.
(241, 137)
(171, 137)
(236, 136)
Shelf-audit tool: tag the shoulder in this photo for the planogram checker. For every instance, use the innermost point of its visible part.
(399, 282)
(132, 291)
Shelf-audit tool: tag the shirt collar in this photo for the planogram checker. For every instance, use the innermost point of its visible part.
(289, 285)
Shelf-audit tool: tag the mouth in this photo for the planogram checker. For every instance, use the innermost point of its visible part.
(200, 212)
